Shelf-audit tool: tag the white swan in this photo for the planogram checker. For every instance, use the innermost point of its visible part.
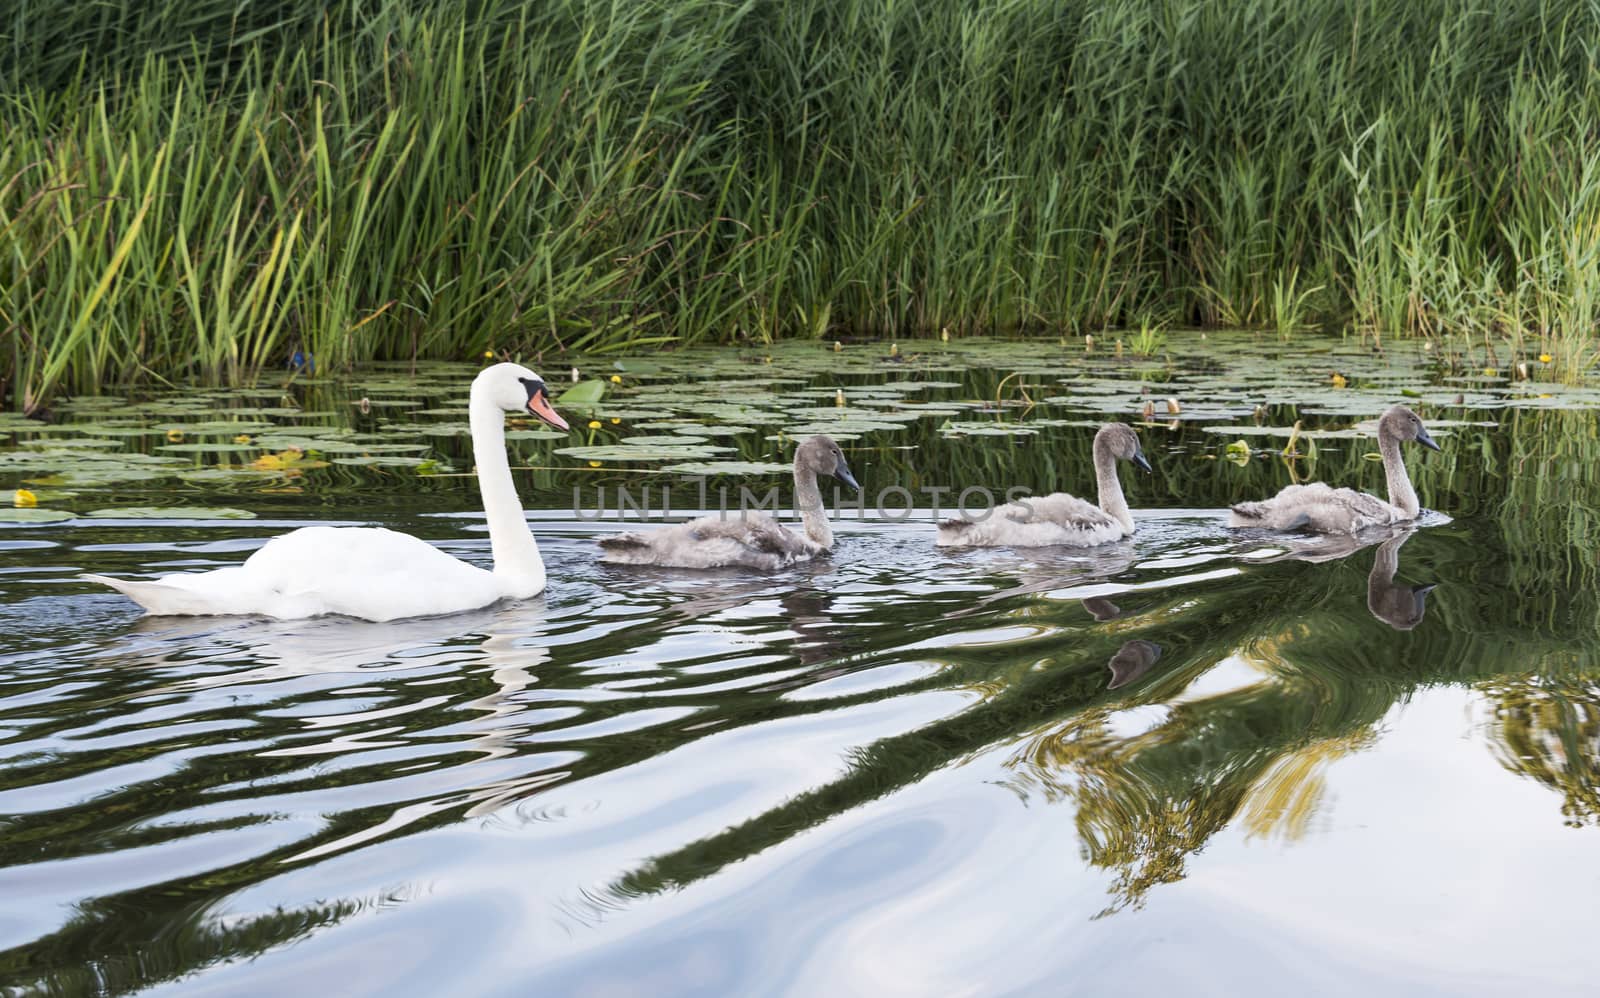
(749, 540)
(371, 572)
(1060, 518)
(1321, 509)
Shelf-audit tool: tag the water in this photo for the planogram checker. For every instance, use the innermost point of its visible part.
(1236, 764)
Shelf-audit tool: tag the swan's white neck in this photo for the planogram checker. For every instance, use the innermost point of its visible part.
(808, 501)
(1105, 475)
(516, 554)
(1401, 493)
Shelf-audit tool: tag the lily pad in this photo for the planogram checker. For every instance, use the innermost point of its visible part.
(584, 393)
(729, 468)
(100, 475)
(216, 448)
(8, 515)
(379, 461)
(657, 452)
(172, 513)
(981, 428)
(537, 435)
(669, 439)
(85, 443)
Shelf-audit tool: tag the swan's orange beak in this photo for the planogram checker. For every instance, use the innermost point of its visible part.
(539, 405)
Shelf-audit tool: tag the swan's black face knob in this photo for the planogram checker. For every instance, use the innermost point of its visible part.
(539, 403)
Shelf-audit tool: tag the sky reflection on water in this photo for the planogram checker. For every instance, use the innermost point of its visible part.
(904, 770)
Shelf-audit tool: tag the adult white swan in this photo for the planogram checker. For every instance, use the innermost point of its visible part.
(374, 573)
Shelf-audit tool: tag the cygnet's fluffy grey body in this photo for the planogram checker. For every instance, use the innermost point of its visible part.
(1322, 509)
(1059, 518)
(748, 540)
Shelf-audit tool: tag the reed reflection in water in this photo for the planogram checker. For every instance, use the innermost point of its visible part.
(1013, 767)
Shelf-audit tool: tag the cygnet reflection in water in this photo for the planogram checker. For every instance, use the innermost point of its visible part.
(1321, 509)
(1102, 609)
(1132, 661)
(1399, 605)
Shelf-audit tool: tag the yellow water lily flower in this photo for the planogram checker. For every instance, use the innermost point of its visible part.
(1545, 358)
(242, 438)
(488, 355)
(594, 464)
(1339, 380)
(24, 498)
(616, 379)
(594, 424)
(174, 436)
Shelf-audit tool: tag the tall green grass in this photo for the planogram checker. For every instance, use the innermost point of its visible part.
(200, 190)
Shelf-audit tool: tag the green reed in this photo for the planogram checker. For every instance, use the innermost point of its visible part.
(200, 190)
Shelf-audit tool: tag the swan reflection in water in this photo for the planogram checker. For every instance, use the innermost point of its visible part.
(1101, 609)
(1132, 661)
(284, 666)
(1399, 605)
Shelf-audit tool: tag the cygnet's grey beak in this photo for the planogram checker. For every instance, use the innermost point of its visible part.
(1140, 462)
(1423, 590)
(841, 471)
(1424, 439)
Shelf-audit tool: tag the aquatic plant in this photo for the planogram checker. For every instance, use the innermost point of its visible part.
(195, 191)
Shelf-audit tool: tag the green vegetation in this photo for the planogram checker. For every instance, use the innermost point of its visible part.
(201, 190)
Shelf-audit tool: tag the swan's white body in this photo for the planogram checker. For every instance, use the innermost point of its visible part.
(374, 573)
(1060, 519)
(744, 540)
(1322, 509)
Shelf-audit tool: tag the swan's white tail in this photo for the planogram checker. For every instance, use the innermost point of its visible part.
(157, 597)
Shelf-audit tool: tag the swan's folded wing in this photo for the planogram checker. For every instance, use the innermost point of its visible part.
(1317, 508)
(750, 541)
(1045, 521)
(632, 540)
(758, 533)
(1071, 512)
(160, 598)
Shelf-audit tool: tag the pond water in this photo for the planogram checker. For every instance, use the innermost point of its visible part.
(1239, 764)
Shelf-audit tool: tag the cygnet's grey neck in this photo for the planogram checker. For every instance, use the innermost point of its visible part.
(1105, 475)
(808, 502)
(1401, 493)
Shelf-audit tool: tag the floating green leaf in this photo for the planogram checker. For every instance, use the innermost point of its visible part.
(172, 513)
(584, 393)
(11, 515)
(729, 468)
